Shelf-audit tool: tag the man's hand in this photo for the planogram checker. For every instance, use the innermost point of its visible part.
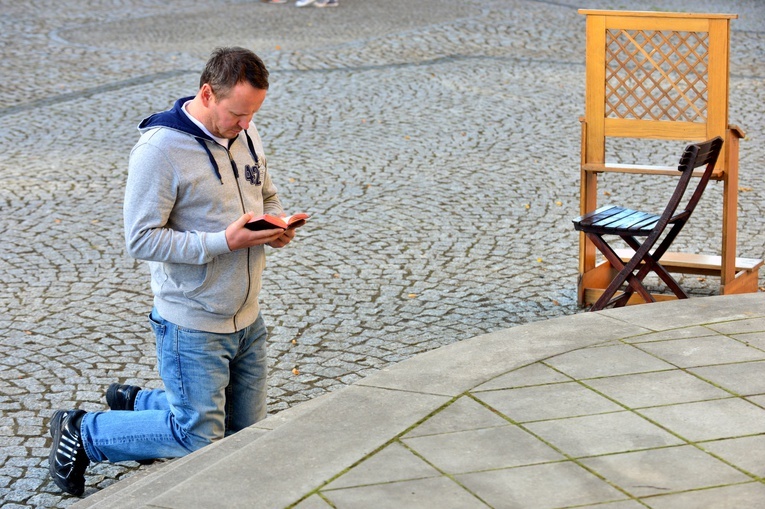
(239, 237)
(283, 239)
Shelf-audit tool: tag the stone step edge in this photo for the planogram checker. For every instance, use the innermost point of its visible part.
(147, 480)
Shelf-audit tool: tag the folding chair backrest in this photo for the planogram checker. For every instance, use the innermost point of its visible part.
(695, 156)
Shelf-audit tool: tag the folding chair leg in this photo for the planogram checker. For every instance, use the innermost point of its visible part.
(665, 276)
(651, 263)
(622, 300)
(625, 275)
(635, 284)
(616, 262)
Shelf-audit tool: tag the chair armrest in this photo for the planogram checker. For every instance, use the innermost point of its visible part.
(736, 131)
(671, 171)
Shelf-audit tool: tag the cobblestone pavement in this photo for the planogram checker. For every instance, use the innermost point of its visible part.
(436, 143)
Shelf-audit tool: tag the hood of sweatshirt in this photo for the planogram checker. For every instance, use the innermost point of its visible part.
(176, 118)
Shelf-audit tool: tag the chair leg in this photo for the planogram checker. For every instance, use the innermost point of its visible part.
(622, 300)
(636, 279)
(651, 263)
(625, 275)
(610, 290)
(671, 283)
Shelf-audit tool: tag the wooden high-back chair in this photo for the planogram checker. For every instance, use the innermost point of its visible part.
(660, 76)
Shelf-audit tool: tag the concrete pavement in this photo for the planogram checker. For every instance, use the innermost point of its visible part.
(659, 406)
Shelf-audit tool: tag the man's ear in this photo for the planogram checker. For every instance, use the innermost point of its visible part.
(206, 94)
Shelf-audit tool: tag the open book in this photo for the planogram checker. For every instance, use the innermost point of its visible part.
(269, 222)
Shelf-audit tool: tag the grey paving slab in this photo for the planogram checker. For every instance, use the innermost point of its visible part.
(656, 388)
(624, 504)
(756, 339)
(551, 485)
(417, 494)
(607, 360)
(743, 496)
(535, 374)
(741, 378)
(463, 414)
(705, 351)
(482, 449)
(707, 420)
(395, 462)
(675, 315)
(740, 326)
(747, 453)
(696, 331)
(659, 471)
(314, 502)
(561, 400)
(594, 435)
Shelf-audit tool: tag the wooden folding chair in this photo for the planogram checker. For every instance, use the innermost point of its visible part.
(654, 78)
(628, 225)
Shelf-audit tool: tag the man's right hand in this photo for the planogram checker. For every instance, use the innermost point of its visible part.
(239, 237)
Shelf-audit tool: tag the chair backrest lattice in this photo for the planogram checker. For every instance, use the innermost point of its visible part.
(657, 75)
(660, 76)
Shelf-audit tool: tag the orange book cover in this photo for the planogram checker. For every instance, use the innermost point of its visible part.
(269, 222)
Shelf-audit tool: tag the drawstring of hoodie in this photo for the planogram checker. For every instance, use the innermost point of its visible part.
(212, 159)
(252, 147)
(214, 163)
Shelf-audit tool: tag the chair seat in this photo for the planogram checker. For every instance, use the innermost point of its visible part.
(613, 220)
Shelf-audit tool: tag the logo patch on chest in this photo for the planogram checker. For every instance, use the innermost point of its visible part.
(252, 175)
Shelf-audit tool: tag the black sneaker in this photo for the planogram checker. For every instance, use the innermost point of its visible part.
(68, 461)
(121, 397)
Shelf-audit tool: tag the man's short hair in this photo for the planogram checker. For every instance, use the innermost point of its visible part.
(228, 67)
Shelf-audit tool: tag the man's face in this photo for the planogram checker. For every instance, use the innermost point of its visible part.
(228, 116)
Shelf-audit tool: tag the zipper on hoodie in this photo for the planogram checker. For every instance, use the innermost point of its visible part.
(235, 169)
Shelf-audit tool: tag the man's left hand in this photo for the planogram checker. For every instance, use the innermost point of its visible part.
(283, 239)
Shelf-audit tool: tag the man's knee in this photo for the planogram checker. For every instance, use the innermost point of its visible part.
(200, 434)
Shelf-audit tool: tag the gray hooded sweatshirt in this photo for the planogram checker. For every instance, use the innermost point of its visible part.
(183, 190)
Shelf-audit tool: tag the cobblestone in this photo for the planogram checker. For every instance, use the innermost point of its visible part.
(435, 142)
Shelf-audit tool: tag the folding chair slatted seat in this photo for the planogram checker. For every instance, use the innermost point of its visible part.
(629, 225)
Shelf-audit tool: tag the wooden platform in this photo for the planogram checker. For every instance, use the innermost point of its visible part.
(745, 281)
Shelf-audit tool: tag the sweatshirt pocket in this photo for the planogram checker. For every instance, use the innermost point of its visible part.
(195, 279)
(204, 287)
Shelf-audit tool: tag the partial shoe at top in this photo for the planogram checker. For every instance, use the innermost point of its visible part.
(68, 461)
(304, 3)
(121, 397)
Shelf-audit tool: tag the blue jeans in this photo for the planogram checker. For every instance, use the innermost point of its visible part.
(215, 385)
